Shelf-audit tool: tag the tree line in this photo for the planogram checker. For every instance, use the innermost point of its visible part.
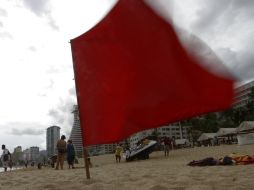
(212, 122)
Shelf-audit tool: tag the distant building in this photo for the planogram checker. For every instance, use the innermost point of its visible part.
(18, 149)
(17, 155)
(31, 154)
(242, 94)
(133, 139)
(26, 155)
(76, 138)
(172, 131)
(53, 135)
(102, 149)
(43, 156)
(75, 135)
(34, 153)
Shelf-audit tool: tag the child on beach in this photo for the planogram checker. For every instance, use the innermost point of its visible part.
(118, 153)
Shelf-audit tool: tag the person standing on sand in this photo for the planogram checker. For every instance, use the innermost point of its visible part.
(118, 153)
(61, 149)
(5, 158)
(70, 154)
(167, 143)
(26, 163)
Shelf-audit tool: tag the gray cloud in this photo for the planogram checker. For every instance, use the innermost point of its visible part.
(23, 128)
(230, 59)
(42, 9)
(5, 35)
(247, 67)
(58, 115)
(228, 25)
(222, 13)
(210, 13)
(51, 84)
(27, 131)
(32, 48)
(52, 23)
(39, 7)
(3, 12)
(61, 115)
(42, 94)
(53, 70)
(72, 91)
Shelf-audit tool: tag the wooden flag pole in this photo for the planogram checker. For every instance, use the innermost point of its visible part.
(85, 152)
(86, 162)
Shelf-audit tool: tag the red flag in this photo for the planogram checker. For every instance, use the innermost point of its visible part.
(132, 74)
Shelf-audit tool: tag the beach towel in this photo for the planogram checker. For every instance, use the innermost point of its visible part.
(244, 160)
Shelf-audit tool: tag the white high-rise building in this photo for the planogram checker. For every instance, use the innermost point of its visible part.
(135, 138)
(76, 136)
(35, 153)
(53, 135)
(26, 155)
(173, 131)
(242, 94)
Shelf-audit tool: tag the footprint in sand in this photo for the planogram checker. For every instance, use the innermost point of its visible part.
(158, 187)
(49, 186)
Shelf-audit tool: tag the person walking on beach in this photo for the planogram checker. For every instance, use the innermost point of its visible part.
(6, 157)
(61, 149)
(118, 153)
(70, 154)
(26, 163)
(167, 143)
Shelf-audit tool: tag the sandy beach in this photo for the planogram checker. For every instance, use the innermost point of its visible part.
(157, 173)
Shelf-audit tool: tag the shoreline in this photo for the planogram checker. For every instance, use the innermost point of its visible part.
(8, 169)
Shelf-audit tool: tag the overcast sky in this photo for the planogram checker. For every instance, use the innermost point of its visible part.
(36, 73)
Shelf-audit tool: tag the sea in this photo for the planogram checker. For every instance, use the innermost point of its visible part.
(8, 169)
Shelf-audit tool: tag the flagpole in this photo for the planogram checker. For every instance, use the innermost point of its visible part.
(85, 152)
(86, 162)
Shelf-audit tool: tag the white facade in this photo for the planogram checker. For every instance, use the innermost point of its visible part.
(242, 94)
(35, 153)
(245, 138)
(172, 131)
(102, 149)
(76, 138)
(133, 139)
(17, 154)
(53, 135)
(75, 135)
(31, 154)
(26, 154)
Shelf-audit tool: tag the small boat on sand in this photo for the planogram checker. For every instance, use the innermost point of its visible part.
(142, 151)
